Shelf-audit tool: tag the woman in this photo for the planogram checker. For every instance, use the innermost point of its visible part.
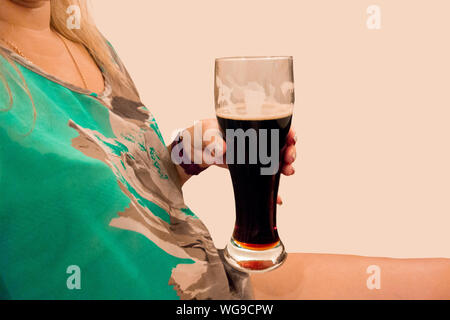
(91, 203)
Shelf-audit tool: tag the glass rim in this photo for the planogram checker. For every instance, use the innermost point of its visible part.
(249, 58)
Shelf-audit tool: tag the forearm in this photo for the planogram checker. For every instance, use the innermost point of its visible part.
(323, 276)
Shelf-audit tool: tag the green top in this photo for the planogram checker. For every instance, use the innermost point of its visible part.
(90, 203)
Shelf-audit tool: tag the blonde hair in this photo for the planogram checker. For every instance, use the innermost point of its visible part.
(88, 35)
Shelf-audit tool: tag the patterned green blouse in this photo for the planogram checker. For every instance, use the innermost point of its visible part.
(90, 203)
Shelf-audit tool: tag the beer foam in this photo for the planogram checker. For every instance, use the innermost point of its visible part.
(267, 111)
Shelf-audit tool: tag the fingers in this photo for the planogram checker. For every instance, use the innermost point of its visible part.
(214, 146)
(287, 170)
(288, 159)
(291, 138)
(224, 156)
(290, 154)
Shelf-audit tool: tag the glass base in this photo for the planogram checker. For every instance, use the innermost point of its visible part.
(254, 261)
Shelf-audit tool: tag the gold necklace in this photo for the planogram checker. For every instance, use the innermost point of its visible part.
(20, 53)
(14, 47)
(73, 59)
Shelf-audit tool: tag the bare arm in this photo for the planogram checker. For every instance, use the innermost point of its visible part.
(327, 276)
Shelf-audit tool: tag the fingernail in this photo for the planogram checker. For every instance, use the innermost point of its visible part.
(295, 138)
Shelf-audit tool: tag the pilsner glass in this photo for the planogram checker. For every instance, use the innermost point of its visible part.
(254, 99)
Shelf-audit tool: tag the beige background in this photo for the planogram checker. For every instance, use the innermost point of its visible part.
(372, 111)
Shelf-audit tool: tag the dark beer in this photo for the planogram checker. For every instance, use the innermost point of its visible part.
(255, 193)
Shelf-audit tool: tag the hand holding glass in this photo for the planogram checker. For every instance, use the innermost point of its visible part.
(254, 98)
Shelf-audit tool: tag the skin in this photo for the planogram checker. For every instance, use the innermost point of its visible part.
(302, 276)
(26, 23)
(288, 153)
(331, 276)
